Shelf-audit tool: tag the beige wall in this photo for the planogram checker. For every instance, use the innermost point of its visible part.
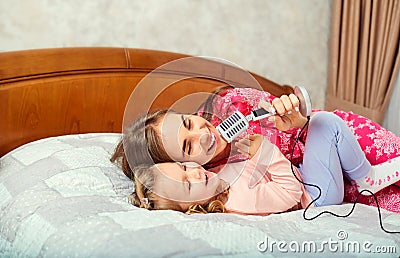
(284, 40)
(392, 115)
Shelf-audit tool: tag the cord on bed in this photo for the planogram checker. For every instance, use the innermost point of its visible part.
(320, 191)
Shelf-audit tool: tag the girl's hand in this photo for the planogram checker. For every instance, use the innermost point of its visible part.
(287, 112)
(249, 145)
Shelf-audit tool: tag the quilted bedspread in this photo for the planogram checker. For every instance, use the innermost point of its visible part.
(62, 197)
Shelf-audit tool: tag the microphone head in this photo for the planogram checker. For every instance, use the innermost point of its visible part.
(233, 126)
(305, 100)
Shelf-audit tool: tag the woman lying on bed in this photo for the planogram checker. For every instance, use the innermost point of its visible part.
(188, 187)
(377, 143)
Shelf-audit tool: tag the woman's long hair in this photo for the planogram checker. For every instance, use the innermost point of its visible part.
(207, 108)
(141, 143)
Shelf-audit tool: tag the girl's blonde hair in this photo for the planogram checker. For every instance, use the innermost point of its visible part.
(144, 196)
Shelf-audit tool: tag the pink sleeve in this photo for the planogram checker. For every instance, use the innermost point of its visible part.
(277, 189)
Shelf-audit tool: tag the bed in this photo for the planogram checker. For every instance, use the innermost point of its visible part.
(62, 112)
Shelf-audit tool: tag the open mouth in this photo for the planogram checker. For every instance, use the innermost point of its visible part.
(212, 142)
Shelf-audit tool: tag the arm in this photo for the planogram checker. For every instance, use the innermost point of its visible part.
(267, 184)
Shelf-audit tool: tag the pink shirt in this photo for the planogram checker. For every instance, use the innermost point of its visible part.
(264, 184)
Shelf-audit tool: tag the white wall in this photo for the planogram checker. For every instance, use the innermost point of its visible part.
(392, 116)
(284, 40)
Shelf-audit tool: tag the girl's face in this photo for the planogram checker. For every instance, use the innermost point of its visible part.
(186, 183)
(190, 138)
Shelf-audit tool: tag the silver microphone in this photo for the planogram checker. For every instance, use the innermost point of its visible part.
(237, 123)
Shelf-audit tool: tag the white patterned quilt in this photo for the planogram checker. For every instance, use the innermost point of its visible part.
(62, 197)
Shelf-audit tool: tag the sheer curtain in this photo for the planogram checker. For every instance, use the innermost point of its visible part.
(364, 56)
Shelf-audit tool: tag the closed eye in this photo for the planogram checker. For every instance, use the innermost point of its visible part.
(189, 149)
(187, 145)
(186, 178)
(184, 121)
(187, 123)
(189, 183)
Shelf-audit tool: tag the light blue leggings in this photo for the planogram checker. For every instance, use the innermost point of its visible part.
(331, 150)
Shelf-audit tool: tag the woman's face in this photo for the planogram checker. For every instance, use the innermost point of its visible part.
(190, 138)
(186, 183)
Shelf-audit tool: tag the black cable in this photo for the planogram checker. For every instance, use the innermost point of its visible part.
(320, 192)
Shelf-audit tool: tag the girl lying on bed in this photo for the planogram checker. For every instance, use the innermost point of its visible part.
(378, 144)
(188, 187)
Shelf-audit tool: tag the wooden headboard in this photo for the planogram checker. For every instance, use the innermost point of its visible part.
(51, 92)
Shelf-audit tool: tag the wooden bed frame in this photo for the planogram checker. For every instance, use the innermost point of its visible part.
(51, 92)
